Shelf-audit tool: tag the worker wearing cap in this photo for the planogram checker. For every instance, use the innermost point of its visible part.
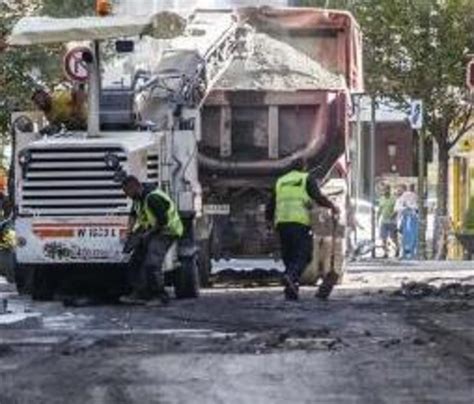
(63, 107)
(155, 225)
(290, 210)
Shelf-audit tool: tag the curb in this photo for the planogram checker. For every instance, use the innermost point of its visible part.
(20, 321)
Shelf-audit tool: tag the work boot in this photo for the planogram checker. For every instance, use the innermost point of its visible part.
(160, 299)
(327, 286)
(291, 288)
(134, 298)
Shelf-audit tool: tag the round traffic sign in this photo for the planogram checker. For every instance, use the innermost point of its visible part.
(75, 67)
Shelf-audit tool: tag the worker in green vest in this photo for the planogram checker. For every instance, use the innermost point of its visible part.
(290, 211)
(154, 226)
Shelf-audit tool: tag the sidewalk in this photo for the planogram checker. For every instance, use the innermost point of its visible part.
(14, 313)
(392, 264)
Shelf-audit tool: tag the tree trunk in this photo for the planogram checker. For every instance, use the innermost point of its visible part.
(442, 220)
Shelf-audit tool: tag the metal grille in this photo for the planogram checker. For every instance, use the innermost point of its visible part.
(152, 168)
(71, 181)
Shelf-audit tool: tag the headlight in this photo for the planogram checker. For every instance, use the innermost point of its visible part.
(24, 158)
(23, 124)
(112, 161)
(21, 241)
(120, 176)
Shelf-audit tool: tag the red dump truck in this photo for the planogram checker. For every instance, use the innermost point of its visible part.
(291, 97)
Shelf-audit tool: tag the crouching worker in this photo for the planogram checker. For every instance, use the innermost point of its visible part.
(154, 226)
(290, 210)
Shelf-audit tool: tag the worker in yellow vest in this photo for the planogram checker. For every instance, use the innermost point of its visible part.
(63, 107)
(290, 211)
(154, 226)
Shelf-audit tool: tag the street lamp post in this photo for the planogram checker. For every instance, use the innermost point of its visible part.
(421, 196)
(373, 123)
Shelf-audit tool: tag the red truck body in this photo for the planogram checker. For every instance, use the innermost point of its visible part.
(255, 124)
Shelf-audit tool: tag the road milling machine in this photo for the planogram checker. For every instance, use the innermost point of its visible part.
(144, 119)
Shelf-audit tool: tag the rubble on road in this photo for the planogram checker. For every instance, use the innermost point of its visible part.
(419, 290)
(294, 339)
(247, 279)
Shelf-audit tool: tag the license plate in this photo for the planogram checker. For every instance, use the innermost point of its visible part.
(217, 209)
(98, 232)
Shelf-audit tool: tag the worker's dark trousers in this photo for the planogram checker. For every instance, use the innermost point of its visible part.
(296, 248)
(146, 267)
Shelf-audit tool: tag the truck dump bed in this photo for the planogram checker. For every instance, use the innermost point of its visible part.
(288, 99)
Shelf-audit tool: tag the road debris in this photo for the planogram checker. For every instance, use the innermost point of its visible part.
(4, 306)
(419, 290)
(253, 278)
(389, 343)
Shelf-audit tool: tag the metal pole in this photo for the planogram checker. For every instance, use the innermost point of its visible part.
(94, 92)
(358, 183)
(372, 170)
(421, 196)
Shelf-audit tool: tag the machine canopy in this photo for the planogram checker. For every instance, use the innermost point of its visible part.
(44, 30)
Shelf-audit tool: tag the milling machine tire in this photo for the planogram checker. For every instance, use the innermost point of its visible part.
(7, 261)
(43, 285)
(186, 279)
(23, 279)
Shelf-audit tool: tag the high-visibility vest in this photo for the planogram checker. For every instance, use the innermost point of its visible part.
(146, 219)
(65, 109)
(293, 204)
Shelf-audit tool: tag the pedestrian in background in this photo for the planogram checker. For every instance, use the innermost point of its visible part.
(401, 189)
(409, 222)
(387, 218)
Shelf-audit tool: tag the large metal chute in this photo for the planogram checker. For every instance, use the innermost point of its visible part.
(190, 66)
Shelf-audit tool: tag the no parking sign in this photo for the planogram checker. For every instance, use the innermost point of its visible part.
(75, 67)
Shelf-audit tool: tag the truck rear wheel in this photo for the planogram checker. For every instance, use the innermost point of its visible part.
(204, 263)
(186, 279)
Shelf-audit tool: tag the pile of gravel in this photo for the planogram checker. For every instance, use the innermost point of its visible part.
(275, 65)
(418, 290)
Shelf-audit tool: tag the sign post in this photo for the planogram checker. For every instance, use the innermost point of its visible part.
(416, 122)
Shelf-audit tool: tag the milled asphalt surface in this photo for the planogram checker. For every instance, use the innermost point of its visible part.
(239, 345)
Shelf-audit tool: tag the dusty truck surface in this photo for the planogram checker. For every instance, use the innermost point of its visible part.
(145, 96)
(289, 99)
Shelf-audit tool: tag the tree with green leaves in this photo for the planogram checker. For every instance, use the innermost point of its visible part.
(331, 4)
(13, 85)
(17, 65)
(419, 49)
(67, 8)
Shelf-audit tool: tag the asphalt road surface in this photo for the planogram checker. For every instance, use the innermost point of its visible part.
(239, 345)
